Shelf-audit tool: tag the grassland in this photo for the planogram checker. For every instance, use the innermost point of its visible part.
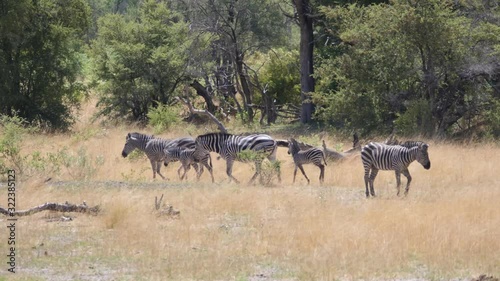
(447, 228)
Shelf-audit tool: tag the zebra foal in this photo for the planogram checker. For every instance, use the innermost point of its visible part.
(189, 157)
(379, 156)
(312, 155)
(229, 147)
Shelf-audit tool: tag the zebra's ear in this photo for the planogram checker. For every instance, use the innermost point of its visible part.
(423, 146)
(133, 138)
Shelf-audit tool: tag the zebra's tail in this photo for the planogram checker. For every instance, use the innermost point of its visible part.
(210, 160)
(324, 158)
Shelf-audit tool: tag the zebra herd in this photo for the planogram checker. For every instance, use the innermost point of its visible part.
(390, 155)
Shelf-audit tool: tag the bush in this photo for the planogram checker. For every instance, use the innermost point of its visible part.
(13, 130)
(417, 120)
(163, 117)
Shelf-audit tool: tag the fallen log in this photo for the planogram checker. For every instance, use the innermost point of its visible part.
(66, 207)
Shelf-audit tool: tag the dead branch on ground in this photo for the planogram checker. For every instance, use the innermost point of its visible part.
(66, 207)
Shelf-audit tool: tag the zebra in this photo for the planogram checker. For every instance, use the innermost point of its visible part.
(153, 147)
(336, 156)
(391, 140)
(230, 147)
(379, 156)
(189, 157)
(312, 155)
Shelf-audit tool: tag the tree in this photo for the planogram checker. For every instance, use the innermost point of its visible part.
(39, 59)
(141, 61)
(238, 30)
(421, 63)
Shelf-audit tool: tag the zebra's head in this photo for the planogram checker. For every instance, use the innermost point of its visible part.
(133, 141)
(423, 155)
(169, 155)
(293, 146)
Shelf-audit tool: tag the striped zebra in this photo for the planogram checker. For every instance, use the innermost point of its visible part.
(153, 147)
(189, 157)
(312, 155)
(230, 148)
(379, 156)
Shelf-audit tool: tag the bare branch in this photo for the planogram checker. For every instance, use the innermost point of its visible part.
(202, 112)
(66, 207)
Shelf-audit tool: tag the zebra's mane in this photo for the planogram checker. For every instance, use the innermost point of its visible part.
(225, 135)
(140, 135)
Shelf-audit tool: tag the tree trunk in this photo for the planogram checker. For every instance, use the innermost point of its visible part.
(202, 91)
(306, 59)
(247, 93)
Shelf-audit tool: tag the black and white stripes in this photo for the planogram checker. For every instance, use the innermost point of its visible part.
(311, 155)
(232, 147)
(189, 157)
(379, 156)
(153, 147)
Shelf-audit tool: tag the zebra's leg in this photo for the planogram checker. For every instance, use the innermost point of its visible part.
(196, 168)
(322, 173)
(229, 170)
(210, 170)
(304, 173)
(153, 166)
(199, 170)
(367, 180)
(187, 167)
(372, 179)
(398, 181)
(294, 173)
(158, 167)
(406, 173)
(179, 171)
(258, 167)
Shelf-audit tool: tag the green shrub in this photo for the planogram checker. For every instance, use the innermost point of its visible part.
(163, 117)
(417, 120)
(13, 131)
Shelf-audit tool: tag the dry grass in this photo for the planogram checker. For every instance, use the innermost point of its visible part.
(448, 227)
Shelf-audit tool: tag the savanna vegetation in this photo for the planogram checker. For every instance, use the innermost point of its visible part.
(77, 76)
(418, 67)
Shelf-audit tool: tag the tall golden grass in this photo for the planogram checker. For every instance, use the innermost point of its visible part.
(448, 227)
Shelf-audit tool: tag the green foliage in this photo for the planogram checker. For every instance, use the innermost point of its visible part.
(416, 119)
(251, 155)
(493, 119)
(281, 75)
(39, 61)
(163, 117)
(395, 56)
(269, 172)
(13, 130)
(139, 61)
(80, 166)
